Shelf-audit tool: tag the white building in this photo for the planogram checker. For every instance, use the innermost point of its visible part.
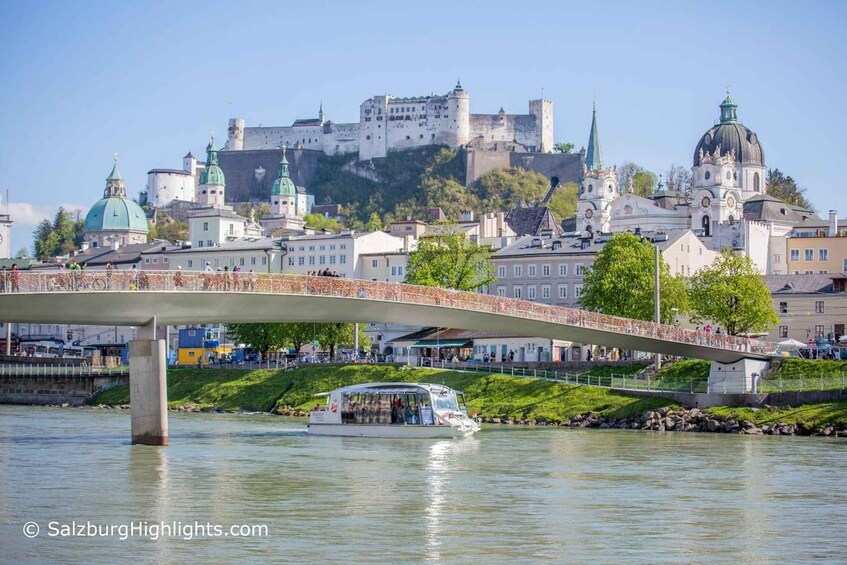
(388, 123)
(167, 185)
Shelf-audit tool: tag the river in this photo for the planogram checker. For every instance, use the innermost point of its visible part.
(508, 494)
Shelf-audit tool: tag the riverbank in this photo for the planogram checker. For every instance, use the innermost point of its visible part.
(497, 399)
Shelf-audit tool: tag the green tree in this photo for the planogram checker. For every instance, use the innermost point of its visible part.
(450, 260)
(785, 188)
(169, 230)
(678, 178)
(374, 223)
(644, 183)
(565, 148)
(563, 202)
(506, 188)
(319, 222)
(259, 210)
(261, 337)
(621, 282)
(333, 335)
(732, 294)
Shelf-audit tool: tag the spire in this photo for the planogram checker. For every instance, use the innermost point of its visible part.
(593, 157)
(115, 185)
(458, 84)
(211, 153)
(283, 165)
(728, 115)
(115, 174)
(321, 112)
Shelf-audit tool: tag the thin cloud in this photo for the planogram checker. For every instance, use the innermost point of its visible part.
(25, 214)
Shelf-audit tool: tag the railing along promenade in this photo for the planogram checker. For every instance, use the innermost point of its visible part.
(249, 282)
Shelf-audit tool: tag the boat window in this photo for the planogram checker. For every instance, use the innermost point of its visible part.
(462, 406)
(444, 401)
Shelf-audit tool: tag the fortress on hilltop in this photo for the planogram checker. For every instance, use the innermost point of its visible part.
(387, 123)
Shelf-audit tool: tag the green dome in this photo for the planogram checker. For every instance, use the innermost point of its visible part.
(212, 173)
(283, 186)
(116, 214)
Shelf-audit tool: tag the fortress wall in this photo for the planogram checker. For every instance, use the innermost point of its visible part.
(521, 128)
(251, 174)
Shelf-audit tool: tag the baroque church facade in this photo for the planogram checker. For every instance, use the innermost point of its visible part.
(728, 205)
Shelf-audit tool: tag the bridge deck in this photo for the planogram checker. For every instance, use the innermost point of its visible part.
(175, 297)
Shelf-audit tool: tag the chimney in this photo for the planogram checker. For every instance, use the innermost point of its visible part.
(833, 223)
(115, 244)
(84, 246)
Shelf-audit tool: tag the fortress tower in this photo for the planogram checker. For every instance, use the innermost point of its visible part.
(459, 117)
(235, 134)
(543, 112)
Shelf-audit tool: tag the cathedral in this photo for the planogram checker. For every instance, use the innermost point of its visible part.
(727, 206)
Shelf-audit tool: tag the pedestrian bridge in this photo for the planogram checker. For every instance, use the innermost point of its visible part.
(174, 297)
(149, 300)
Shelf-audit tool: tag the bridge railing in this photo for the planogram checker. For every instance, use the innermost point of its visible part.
(249, 282)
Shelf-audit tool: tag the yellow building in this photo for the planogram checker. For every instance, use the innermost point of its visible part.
(818, 247)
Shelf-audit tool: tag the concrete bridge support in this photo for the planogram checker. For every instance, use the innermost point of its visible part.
(148, 394)
(736, 378)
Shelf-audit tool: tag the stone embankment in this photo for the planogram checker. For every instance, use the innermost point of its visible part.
(681, 420)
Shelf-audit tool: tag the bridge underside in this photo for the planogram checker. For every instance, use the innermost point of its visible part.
(127, 308)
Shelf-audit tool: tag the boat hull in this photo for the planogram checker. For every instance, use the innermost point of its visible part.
(387, 431)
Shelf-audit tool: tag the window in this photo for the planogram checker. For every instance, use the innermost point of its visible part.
(209, 243)
(517, 292)
(579, 269)
(823, 272)
(190, 263)
(819, 330)
(147, 260)
(783, 307)
(844, 266)
(545, 270)
(563, 269)
(374, 263)
(322, 260)
(501, 291)
(264, 260)
(819, 307)
(783, 332)
(545, 291)
(397, 270)
(563, 291)
(501, 271)
(200, 243)
(332, 259)
(530, 293)
(311, 248)
(231, 229)
(342, 259)
(155, 259)
(577, 290)
(795, 254)
(205, 226)
(809, 255)
(518, 271)
(332, 247)
(530, 271)
(823, 254)
(343, 246)
(290, 261)
(777, 258)
(252, 260)
(301, 260)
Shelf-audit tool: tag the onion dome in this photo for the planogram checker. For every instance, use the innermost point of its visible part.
(731, 136)
(212, 174)
(283, 185)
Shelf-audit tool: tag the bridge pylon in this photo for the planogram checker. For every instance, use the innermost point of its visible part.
(148, 393)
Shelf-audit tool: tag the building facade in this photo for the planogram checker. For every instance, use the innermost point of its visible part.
(818, 247)
(387, 123)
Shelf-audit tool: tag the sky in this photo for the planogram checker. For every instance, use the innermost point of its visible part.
(152, 80)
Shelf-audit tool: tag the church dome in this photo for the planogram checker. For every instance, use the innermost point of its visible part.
(731, 136)
(116, 213)
(283, 185)
(212, 173)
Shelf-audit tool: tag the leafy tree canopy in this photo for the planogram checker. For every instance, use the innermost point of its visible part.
(450, 260)
(731, 294)
(259, 210)
(59, 237)
(565, 148)
(319, 222)
(621, 282)
(268, 337)
(169, 230)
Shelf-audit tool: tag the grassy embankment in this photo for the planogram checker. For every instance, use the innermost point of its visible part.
(501, 396)
(489, 395)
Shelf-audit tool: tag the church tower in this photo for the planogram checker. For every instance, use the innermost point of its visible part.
(729, 169)
(598, 186)
(212, 183)
(284, 210)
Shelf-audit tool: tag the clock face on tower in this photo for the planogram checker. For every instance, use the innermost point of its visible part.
(705, 202)
(730, 202)
(589, 213)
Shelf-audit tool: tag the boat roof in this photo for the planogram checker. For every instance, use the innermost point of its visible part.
(391, 388)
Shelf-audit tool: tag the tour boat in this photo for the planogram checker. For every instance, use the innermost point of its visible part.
(393, 410)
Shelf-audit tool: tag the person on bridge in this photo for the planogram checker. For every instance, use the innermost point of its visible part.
(16, 278)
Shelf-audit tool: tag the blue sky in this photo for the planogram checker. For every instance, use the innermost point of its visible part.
(152, 80)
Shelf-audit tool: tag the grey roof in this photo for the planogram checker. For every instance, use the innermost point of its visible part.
(566, 245)
(798, 284)
(239, 245)
(215, 213)
(731, 135)
(171, 171)
(530, 221)
(766, 208)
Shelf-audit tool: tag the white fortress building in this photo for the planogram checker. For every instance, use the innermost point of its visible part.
(387, 123)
